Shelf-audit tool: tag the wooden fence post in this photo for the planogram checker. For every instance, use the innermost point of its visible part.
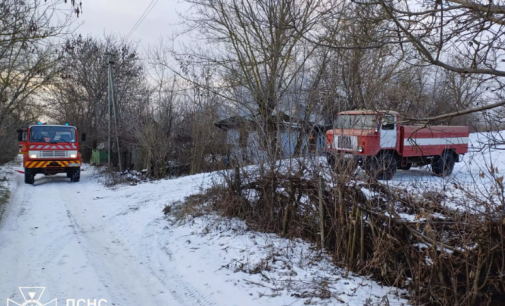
(321, 210)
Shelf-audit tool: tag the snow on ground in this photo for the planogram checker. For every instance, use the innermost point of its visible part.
(86, 241)
(6, 184)
(263, 269)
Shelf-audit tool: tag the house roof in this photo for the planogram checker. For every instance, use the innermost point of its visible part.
(233, 122)
(364, 111)
(282, 120)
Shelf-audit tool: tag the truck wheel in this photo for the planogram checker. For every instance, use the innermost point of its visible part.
(29, 176)
(75, 175)
(406, 167)
(331, 161)
(444, 164)
(382, 167)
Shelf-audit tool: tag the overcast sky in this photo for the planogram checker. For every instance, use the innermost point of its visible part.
(119, 17)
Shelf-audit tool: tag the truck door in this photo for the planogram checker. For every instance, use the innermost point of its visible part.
(22, 138)
(388, 132)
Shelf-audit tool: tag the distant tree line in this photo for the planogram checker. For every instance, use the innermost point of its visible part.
(309, 59)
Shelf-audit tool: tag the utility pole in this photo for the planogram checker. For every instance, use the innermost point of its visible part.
(109, 99)
(112, 106)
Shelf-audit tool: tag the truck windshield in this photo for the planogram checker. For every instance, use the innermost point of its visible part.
(52, 134)
(359, 122)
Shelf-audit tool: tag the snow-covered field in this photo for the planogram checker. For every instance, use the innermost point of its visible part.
(475, 181)
(86, 241)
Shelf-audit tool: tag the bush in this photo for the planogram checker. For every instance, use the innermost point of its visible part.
(442, 256)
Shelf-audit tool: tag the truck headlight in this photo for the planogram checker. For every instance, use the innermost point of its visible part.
(360, 149)
(33, 155)
(71, 154)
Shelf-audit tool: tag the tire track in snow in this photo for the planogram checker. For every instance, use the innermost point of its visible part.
(116, 291)
(159, 258)
(118, 266)
(34, 236)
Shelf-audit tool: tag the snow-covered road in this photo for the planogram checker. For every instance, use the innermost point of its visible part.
(76, 240)
(84, 241)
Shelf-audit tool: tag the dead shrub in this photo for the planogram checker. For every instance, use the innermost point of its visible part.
(113, 178)
(442, 256)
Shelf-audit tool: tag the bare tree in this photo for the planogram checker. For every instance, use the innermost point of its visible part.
(253, 46)
(80, 95)
(438, 30)
(29, 53)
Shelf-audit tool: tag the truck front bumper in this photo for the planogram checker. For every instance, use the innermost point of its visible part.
(52, 164)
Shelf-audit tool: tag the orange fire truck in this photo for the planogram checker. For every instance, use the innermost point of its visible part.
(50, 149)
(380, 144)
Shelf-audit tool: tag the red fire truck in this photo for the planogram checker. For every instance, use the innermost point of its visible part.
(380, 144)
(50, 149)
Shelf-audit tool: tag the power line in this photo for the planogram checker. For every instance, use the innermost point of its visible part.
(138, 20)
(142, 17)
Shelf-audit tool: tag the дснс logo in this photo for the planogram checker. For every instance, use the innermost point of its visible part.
(32, 297)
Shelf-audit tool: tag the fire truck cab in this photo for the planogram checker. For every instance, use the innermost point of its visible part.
(380, 144)
(50, 149)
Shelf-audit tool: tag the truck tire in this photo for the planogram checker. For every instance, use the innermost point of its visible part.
(382, 167)
(444, 164)
(75, 175)
(29, 177)
(331, 161)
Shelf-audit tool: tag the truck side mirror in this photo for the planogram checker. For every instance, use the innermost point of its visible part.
(20, 136)
(83, 137)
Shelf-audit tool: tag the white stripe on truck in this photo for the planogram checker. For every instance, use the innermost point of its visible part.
(434, 141)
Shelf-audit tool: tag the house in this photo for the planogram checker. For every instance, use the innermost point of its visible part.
(242, 137)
